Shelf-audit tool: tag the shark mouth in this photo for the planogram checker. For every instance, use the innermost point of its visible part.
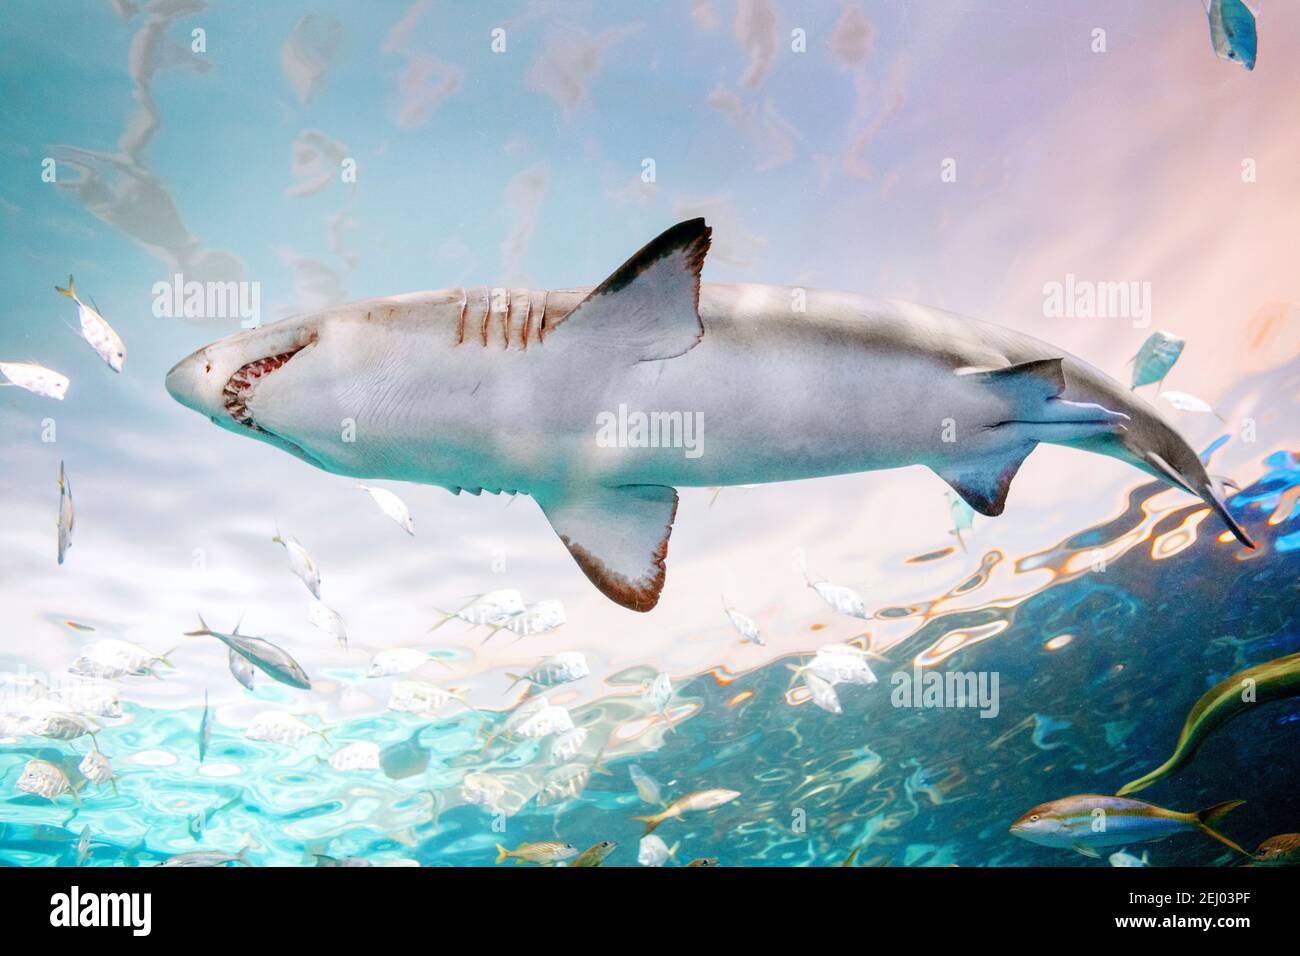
(240, 387)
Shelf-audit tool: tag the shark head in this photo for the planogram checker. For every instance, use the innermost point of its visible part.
(234, 379)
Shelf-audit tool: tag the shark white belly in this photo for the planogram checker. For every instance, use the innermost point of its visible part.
(599, 402)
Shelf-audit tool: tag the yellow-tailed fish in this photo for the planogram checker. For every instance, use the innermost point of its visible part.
(595, 855)
(704, 861)
(692, 802)
(95, 329)
(545, 851)
(1227, 699)
(1280, 850)
(1088, 821)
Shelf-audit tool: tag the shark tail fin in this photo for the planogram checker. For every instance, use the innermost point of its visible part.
(1196, 482)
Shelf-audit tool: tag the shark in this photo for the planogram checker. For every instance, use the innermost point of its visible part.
(600, 402)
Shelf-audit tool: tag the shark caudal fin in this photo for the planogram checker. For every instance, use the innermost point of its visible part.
(1195, 481)
(1035, 413)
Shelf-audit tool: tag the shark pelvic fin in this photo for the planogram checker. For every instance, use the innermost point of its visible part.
(983, 483)
(1035, 413)
(618, 536)
(649, 308)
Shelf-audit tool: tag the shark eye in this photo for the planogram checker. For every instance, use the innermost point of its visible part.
(207, 367)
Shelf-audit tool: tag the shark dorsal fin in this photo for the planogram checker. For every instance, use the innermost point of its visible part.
(649, 308)
(618, 536)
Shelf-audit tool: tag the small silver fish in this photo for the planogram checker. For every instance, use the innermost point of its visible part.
(1155, 358)
(555, 670)
(421, 697)
(963, 517)
(95, 329)
(205, 729)
(271, 660)
(842, 599)
(242, 669)
(65, 514)
(745, 626)
(36, 379)
(90, 697)
(324, 618)
(492, 609)
(300, 563)
(822, 693)
(350, 861)
(564, 783)
(97, 768)
(207, 858)
(276, 726)
(660, 693)
(44, 779)
(57, 725)
(837, 667)
(361, 755)
(653, 851)
(566, 746)
(84, 845)
(647, 787)
(1121, 858)
(110, 659)
(535, 619)
(699, 800)
(398, 660)
(391, 505)
(534, 723)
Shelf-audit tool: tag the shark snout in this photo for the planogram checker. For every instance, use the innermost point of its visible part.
(214, 380)
(190, 382)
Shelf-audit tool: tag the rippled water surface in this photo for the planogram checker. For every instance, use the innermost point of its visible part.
(1096, 670)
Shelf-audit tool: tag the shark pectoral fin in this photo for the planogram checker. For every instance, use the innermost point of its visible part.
(983, 483)
(650, 307)
(618, 536)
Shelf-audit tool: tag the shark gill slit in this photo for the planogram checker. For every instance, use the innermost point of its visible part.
(487, 314)
(464, 307)
(505, 338)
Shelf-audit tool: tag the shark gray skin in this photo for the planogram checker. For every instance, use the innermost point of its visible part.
(503, 390)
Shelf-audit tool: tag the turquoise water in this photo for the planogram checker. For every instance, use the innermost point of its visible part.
(526, 167)
(905, 787)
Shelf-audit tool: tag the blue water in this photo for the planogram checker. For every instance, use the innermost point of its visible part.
(905, 787)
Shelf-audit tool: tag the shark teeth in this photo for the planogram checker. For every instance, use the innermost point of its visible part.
(240, 387)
